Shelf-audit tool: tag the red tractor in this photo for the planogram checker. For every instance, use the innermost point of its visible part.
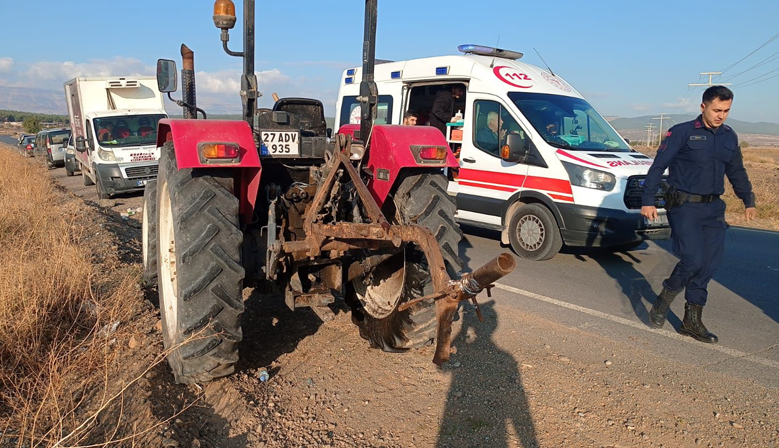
(275, 201)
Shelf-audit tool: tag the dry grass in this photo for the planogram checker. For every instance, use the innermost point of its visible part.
(763, 168)
(54, 311)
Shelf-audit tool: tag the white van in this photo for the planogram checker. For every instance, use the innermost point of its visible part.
(578, 182)
(114, 122)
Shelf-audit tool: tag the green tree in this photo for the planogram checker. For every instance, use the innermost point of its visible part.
(31, 125)
(744, 144)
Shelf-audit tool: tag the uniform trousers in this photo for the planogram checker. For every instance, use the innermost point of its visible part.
(698, 233)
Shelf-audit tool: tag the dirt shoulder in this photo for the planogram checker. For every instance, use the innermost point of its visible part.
(515, 380)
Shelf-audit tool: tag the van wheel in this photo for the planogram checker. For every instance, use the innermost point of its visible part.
(534, 234)
(200, 275)
(100, 193)
(420, 199)
(149, 234)
(87, 180)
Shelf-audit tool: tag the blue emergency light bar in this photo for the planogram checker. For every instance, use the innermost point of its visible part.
(489, 51)
(349, 80)
(351, 72)
(395, 75)
(442, 71)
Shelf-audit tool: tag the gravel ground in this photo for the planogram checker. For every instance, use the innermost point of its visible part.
(515, 380)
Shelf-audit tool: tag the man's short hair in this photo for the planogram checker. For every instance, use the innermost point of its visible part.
(721, 93)
(410, 114)
(492, 115)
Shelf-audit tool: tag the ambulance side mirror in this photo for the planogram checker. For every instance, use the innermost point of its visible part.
(515, 150)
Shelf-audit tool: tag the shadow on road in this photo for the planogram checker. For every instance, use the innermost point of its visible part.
(486, 404)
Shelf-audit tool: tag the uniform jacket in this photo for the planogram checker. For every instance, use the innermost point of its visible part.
(698, 159)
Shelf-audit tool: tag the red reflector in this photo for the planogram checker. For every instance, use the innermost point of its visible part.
(220, 150)
(433, 153)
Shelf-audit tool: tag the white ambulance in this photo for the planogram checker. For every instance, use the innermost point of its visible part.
(537, 162)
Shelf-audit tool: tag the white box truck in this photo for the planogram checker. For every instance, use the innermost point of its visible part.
(576, 180)
(114, 124)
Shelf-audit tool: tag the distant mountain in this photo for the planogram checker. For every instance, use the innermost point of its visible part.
(639, 124)
(33, 100)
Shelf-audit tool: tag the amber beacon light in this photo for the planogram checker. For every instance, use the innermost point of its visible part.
(224, 14)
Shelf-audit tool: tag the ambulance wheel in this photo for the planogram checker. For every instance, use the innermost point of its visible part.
(200, 275)
(149, 234)
(421, 198)
(533, 233)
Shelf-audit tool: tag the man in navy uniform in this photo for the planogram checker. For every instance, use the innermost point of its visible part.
(698, 155)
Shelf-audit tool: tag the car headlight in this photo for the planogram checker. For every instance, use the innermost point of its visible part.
(106, 154)
(590, 178)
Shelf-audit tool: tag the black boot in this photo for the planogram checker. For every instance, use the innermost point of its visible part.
(660, 309)
(693, 326)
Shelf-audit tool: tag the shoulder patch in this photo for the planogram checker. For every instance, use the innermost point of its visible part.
(668, 134)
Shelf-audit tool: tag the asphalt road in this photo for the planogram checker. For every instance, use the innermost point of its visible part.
(9, 139)
(610, 294)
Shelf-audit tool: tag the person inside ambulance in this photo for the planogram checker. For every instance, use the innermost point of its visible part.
(488, 137)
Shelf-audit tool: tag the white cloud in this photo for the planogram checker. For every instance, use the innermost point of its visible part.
(682, 105)
(641, 107)
(62, 71)
(6, 65)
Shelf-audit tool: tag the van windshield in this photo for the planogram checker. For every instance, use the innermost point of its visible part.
(568, 122)
(128, 130)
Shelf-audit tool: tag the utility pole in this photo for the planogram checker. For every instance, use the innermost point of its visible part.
(649, 128)
(661, 118)
(709, 84)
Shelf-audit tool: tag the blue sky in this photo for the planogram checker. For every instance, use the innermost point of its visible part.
(627, 58)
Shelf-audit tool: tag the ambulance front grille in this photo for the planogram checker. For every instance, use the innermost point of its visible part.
(634, 191)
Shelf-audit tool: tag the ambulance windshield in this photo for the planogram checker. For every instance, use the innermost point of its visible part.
(568, 122)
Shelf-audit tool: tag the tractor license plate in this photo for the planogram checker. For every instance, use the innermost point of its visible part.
(280, 144)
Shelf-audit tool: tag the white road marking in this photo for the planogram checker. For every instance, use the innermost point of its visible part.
(620, 320)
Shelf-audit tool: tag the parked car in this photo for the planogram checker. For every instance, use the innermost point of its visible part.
(51, 143)
(71, 166)
(27, 145)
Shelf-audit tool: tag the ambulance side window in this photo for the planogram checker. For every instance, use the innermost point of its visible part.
(493, 123)
(350, 110)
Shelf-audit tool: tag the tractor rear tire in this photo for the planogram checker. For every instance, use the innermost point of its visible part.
(149, 234)
(200, 275)
(421, 198)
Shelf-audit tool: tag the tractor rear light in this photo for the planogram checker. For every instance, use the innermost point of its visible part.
(28, 147)
(220, 150)
(432, 153)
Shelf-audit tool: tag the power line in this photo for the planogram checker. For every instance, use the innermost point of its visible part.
(750, 54)
(661, 118)
(757, 77)
(759, 64)
(758, 82)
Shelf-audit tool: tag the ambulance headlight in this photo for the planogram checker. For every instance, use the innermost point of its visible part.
(590, 178)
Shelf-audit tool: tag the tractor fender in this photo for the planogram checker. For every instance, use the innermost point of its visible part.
(395, 148)
(186, 135)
